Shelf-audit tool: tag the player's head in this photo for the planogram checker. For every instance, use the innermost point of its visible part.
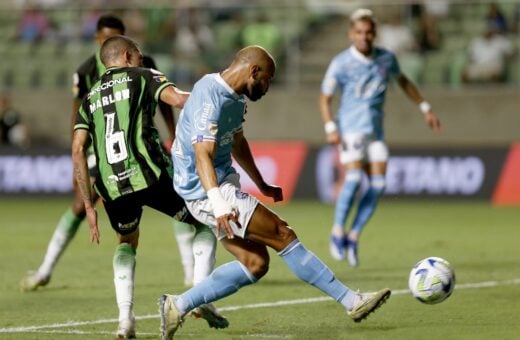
(363, 30)
(108, 26)
(120, 51)
(257, 67)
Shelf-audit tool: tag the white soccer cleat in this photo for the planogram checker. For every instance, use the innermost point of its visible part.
(210, 313)
(126, 329)
(32, 281)
(367, 303)
(171, 318)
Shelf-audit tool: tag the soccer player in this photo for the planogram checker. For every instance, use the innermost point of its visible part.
(208, 132)
(362, 74)
(190, 239)
(134, 170)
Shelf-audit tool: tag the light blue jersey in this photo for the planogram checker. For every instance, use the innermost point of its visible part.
(213, 112)
(363, 82)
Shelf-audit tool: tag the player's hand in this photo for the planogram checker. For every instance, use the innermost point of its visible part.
(432, 121)
(224, 223)
(91, 215)
(333, 138)
(273, 191)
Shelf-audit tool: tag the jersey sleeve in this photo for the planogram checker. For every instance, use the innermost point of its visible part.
(82, 119)
(157, 82)
(330, 82)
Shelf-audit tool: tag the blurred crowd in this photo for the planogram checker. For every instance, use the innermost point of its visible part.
(199, 40)
(487, 53)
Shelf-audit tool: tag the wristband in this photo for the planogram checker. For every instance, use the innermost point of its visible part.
(425, 107)
(220, 205)
(330, 127)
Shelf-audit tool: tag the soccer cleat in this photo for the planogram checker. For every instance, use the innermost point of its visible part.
(209, 313)
(337, 247)
(32, 281)
(171, 319)
(352, 252)
(126, 329)
(366, 303)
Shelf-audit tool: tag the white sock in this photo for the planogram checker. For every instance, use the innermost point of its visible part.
(349, 299)
(64, 233)
(124, 271)
(204, 247)
(184, 233)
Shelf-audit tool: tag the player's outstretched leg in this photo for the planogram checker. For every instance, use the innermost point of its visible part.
(223, 281)
(312, 270)
(341, 212)
(64, 233)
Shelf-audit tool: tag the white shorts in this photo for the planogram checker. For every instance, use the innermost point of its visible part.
(361, 147)
(202, 210)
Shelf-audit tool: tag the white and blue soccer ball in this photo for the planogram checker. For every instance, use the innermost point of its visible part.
(432, 280)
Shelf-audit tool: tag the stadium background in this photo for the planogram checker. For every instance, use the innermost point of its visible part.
(473, 158)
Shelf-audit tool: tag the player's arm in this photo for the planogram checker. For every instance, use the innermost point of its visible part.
(169, 119)
(223, 211)
(76, 103)
(174, 97)
(242, 154)
(413, 93)
(79, 159)
(328, 120)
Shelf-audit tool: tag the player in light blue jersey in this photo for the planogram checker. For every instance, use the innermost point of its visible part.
(208, 132)
(362, 74)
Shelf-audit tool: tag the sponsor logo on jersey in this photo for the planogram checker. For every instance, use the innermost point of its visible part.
(122, 175)
(108, 84)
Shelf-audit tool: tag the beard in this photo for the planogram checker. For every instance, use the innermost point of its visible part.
(255, 92)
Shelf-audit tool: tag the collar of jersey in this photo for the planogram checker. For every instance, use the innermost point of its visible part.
(360, 56)
(222, 82)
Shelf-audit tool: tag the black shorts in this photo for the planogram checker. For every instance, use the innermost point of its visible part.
(125, 212)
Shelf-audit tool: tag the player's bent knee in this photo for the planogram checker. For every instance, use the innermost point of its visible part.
(258, 265)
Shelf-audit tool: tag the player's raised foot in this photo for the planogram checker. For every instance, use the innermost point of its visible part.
(337, 247)
(209, 313)
(366, 303)
(32, 281)
(171, 318)
(126, 329)
(352, 253)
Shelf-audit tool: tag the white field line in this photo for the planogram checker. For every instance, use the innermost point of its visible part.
(30, 329)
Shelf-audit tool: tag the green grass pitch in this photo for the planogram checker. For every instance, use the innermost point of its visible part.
(480, 241)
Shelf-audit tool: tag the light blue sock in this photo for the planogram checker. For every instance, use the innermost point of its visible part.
(346, 196)
(223, 281)
(310, 269)
(368, 203)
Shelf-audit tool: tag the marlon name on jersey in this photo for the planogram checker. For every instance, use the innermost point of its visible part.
(110, 98)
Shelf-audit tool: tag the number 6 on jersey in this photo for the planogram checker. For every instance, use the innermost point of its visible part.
(115, 141)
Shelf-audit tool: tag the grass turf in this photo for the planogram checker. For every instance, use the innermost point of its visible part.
(480, 241)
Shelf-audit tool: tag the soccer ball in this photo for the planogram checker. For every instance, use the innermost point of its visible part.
(432, 280)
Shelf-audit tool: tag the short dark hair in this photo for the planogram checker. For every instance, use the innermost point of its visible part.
(110, 21)
(112, 47)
